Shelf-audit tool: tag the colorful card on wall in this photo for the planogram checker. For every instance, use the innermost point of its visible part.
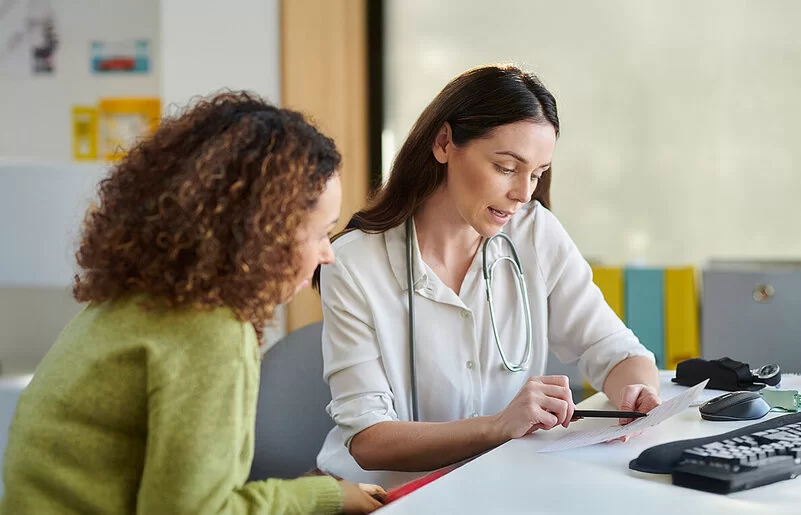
(84, 133)
(126, 56)
(124, 120)
(644, 300)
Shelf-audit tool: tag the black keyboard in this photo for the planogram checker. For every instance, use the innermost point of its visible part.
(742, 462)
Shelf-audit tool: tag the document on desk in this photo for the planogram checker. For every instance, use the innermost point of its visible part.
(656, 416)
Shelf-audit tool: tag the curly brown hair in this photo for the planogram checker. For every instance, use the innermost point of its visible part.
(204, 212)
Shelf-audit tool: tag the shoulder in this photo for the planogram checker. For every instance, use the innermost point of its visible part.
(363, 262)
(355, 249)
(538, 225)
(539, 231)
(356, 243)
(168, 342)
(186, 330)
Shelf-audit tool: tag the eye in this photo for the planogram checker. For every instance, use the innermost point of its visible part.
(505, 171)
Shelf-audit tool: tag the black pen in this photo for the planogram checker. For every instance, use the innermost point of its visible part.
(590, 413)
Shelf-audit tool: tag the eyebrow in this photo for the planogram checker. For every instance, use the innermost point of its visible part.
(520, 158)
(510, 153)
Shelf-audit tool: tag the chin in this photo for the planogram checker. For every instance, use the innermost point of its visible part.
(487, 230)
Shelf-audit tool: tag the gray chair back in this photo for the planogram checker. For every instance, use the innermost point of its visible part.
(291, 421)
(10, 390)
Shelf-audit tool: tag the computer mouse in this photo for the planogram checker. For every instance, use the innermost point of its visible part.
(735, 406)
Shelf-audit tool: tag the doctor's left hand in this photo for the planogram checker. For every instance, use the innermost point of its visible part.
(637, 397)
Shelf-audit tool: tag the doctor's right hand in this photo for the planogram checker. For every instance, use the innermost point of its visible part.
(543, 403)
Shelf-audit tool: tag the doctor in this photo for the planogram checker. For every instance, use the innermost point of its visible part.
(477, 162)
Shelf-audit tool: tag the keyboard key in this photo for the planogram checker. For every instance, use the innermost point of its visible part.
(694, 453)
(743, 461)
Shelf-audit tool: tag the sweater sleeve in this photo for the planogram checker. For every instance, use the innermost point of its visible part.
(197, 439)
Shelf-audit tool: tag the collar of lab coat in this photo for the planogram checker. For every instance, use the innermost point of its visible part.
(395, 240)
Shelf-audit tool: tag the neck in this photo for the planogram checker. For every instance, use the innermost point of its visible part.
(443, 235)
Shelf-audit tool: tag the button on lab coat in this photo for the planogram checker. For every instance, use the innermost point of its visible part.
(459, 369)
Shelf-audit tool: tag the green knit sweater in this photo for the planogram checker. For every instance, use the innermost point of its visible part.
(145, 412)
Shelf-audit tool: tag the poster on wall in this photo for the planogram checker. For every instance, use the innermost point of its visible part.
(29, 38)
(125, 56)
(84, 133)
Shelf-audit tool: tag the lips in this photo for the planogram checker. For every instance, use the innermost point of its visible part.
(500, 217)
(502, 213)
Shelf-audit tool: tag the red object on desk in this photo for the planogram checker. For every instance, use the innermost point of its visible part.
(407, 488)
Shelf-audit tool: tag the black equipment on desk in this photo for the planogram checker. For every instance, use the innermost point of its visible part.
(726, 374)
(745, 458)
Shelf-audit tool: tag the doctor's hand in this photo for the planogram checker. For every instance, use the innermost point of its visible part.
(543, 403)
(637, 397)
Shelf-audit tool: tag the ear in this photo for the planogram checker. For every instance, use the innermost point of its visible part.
(442, 144)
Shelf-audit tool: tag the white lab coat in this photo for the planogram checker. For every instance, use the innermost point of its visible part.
(459, 369)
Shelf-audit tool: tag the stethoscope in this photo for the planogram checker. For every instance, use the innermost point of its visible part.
(488, 270)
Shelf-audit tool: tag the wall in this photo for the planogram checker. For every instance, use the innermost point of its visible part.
(221, 45)
(679, 119)
(324, 74)
(35, 109)
(41, 208)
(43, 194)
(233, 45)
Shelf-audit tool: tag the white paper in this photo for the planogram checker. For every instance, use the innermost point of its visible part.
(669, 390)
(664, 411)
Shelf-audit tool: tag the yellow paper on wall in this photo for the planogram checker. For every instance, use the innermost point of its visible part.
(681, 316)
(84, 133)
(123, 121)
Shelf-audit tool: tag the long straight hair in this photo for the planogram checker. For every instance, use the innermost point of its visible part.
(473, 104)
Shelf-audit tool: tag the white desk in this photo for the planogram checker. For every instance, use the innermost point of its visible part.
(515, 479)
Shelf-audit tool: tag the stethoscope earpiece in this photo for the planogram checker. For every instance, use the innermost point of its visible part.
(768, 374)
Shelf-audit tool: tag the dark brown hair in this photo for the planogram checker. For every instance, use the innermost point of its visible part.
(473, 104)
(204, 213)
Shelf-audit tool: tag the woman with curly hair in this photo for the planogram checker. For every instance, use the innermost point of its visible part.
(146, 402)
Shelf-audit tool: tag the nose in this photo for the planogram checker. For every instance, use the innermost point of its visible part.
(522, 189)
(327, 255)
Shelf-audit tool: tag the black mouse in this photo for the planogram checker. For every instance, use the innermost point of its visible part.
(735, 406)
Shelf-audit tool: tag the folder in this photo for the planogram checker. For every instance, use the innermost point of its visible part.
(407, 488)
(645, 311)
(609, 280)
(681, 316)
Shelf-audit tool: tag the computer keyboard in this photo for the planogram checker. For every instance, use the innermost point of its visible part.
(742, 462)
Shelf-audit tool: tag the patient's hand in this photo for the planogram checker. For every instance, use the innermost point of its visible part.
(374, 491)
(361, 498)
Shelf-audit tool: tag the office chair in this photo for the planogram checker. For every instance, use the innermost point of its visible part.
(10, 390)
(291, 421)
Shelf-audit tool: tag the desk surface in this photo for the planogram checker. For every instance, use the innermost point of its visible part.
(515, 479)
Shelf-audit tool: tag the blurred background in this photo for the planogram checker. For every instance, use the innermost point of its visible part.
(677, 173)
